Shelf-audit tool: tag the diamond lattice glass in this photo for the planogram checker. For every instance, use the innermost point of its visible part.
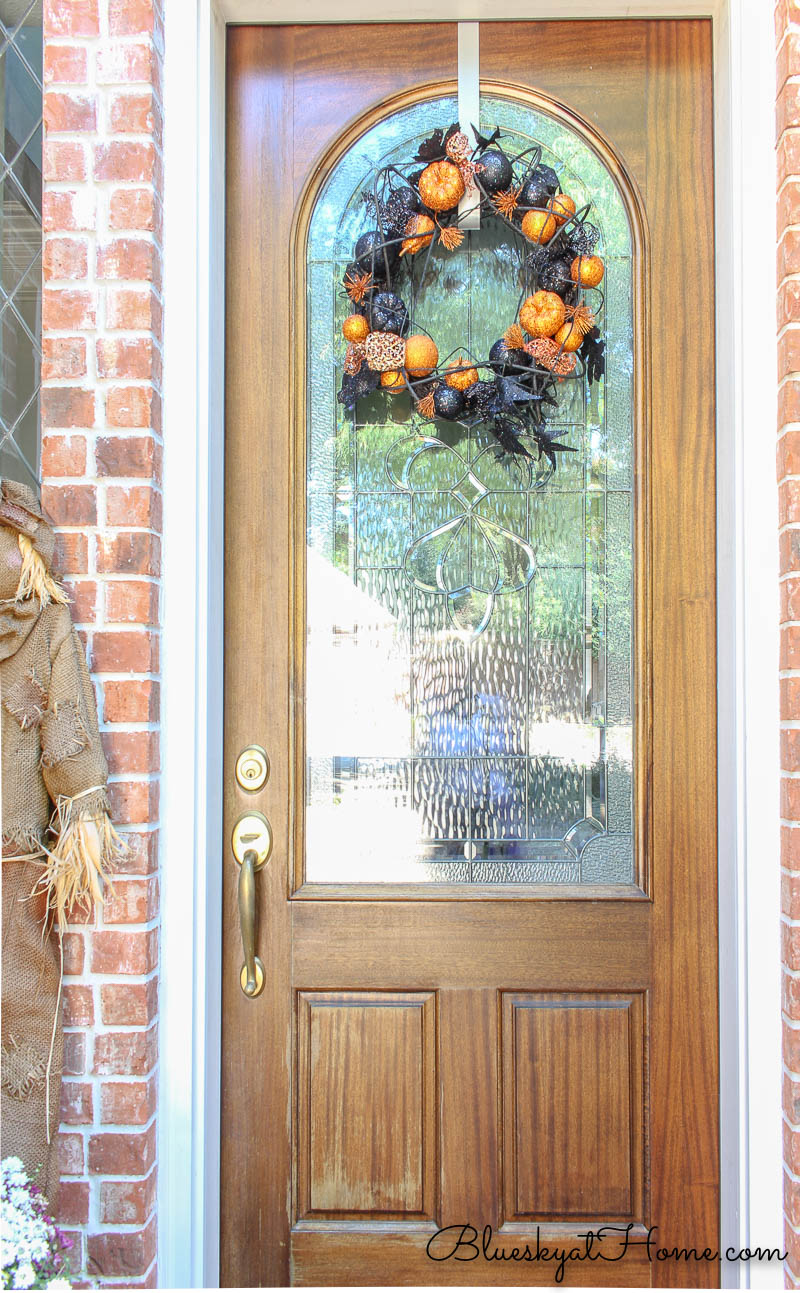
(20, 237)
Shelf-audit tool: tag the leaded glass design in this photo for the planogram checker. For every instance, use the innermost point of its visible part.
(469, 639)
(21, 276)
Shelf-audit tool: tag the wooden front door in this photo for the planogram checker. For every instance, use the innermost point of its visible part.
(488, 922)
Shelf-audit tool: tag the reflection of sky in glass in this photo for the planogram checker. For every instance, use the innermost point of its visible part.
(437, 754)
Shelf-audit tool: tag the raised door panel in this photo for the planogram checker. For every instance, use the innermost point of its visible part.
(574, 1106)
(366, 1081)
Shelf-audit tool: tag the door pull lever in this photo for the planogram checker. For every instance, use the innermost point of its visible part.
(252, 845)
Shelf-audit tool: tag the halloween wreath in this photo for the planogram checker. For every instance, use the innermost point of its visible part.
(552, 335)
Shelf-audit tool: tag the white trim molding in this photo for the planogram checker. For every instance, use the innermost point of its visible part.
(330, 11)
(193, 542)
(748, 643)
(192, 846)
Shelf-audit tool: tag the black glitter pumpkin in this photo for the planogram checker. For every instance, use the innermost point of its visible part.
(399, 206)
(354, 387)
(583, 239)
(387, 313)
(369, 252)
(556, 276)
(507, 362)
(495, 173)
(537, 259)
(549, 177)
(534, 192)
(447, 402)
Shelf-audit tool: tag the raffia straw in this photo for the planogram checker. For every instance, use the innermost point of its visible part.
(35, 580)
(73, 871)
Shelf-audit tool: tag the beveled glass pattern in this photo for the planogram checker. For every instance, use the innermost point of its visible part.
(21, 275)
(469, 648)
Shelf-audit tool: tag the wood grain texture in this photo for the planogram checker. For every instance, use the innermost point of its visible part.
(685, 1051)
(276, 128)
(469, 1049)
(491, 944)
(256, 1061)
(351, 1258)
(598, 68)
(574, 1110)
(292, 90)
(367, 1107)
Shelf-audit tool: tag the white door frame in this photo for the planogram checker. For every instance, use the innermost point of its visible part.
(192, 846)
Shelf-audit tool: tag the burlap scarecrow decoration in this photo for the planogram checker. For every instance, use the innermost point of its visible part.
(57, 839)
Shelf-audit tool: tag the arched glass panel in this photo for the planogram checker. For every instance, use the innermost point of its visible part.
(484, 738)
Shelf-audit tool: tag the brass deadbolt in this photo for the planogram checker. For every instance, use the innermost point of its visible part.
(252, 768)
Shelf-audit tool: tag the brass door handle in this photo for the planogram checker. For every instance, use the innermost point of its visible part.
(252, 976)
(252, 845)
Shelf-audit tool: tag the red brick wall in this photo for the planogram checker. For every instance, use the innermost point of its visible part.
(101, 467)
(787, 34)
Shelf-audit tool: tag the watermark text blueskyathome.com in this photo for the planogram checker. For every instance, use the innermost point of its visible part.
(610, 1243)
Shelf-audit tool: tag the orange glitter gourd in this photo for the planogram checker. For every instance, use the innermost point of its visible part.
(355, 328)
(542, 314)
(538, 226)
(569, 337)
(422, 355)
(562, 206)
(460, 377)
(587, 270)
(419, 233)
(441, 186)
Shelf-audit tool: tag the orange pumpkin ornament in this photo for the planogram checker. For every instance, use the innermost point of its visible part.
(569, 337)
(562, 206)
(422, 355)
(538, 226)
(459, 377)
(441, 186)
(392, 381)
(355, 328)
(587, 270)
(542, 314)
(419, 233)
